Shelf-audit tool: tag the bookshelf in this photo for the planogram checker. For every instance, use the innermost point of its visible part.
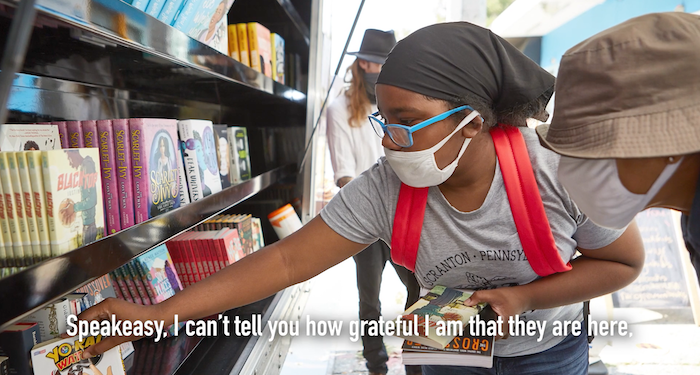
(102, 59)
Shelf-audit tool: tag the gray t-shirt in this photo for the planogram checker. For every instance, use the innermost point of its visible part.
(478, 249)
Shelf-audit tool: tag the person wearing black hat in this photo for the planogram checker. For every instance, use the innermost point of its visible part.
(446, 95)
(354, 148)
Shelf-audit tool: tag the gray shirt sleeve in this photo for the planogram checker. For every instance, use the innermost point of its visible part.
(591, 236)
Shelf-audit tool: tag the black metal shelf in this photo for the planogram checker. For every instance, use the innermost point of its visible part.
(116, 45)
(36, 286)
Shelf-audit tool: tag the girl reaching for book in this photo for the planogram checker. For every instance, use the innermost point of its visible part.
(441, 90)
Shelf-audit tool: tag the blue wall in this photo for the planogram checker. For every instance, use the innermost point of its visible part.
(599, 18)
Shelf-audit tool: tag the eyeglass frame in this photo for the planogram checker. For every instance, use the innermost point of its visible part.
(413, 128)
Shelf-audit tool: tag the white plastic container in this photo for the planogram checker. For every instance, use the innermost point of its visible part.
(285, 221)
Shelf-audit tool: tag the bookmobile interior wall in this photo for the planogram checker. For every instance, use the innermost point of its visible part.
(114, 61)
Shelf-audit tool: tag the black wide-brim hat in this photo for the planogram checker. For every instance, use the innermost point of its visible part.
(376, 45)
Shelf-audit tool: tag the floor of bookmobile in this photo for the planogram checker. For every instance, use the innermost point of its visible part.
(653, 349)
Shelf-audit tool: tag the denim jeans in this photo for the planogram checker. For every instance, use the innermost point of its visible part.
(569, 357)
(370, 265)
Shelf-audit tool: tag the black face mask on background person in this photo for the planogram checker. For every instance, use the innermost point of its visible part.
(370, 84)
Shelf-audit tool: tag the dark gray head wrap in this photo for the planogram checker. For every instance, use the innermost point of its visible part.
(448, 60)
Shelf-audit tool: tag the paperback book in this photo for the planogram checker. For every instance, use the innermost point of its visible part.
(277, 55)
(223, 156)
(259, 45)
(199, 155)
(64, 356)
(161, 277)
(73, 198)
(29, 137)
(36, 179)
(155, 169)
(122, 142)
(110, 185)
(240, 156)
(26, 224)
(89, 133)
(22, 251)
(205, 21)
(75, 134)
(28, 205)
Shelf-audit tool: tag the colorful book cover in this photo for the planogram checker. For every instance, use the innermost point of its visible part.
(205, 21)
(28, 202)
(155, 7)
(243, 51)
(245, 232)
(98, 290)
(259, 45)
(75, 134)
(8, 243)
(175, 254)
(21, 248)
(122, 150)
(463, 350)
(170, 10)
(443, 305)
(36, 178)
(258, 240)
(73, 198)
(110, 185)
(233, 42)
(89, 133)
(223, 157)
(52, 319)
(232, 241)
(62, 134)
(27, 137)
(199, 157)
(154, 164)
(161, 275)
(140, 4)
(64, 357)
(240, 156)
(277, 57)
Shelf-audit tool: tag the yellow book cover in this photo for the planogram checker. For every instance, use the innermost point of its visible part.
(259, 43)
(22, 250)
(233, 43)
(253, 46)
(242, 30)
(277, 56)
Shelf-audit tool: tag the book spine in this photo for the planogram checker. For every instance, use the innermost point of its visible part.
(117, 287)
(31, 248)
(170, 10)
(233, 43)
(11, 211)
(75, 134)
(155, 7)
(213, 255)
(125, 185)
(39, 199)
(242, 30)
(110, 185)
(89, 133)
(138, 284)
(62, 133)
(184, 192)
(187, 262)
(148, 286)
(128, 289)
(203, 257)
(253, 46)
(196, 261)
(190, 163)
(220, 251)
(26, 186)
(50, 219)
(140, 4)
(5, 229)
(174, 251)
(139, 167)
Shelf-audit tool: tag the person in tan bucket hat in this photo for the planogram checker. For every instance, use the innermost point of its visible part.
(627, 122)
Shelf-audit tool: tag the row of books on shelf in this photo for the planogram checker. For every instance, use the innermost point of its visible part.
(255, 46)
(150, 278)
(110, 175)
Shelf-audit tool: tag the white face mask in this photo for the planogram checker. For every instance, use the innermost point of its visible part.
(418, 168)
(597, 190)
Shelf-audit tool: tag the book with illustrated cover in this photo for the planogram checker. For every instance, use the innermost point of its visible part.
(155, 7)
(22, 250)
(73, 198)
(157, 266)
(464, 350)
(25, 137)
(16, 342)
(277, 56)
(28, 205)
(75, 134)
(170, 11)
(154, 152)
(98, 290)
(125, 187)
(89, 133)
(64, 357)
(258, 240)
(36, 179)
(205, 21)
(110, 185)
(243, 51)
(233, 42)
(27, 226)
(441, 305)
(199, 155)
(259, 46)
(223, 156)
(240, 156)
(243, 224)
(52, 319)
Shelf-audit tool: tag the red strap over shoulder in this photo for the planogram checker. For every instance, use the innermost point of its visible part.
(408, 224)
(526, 203)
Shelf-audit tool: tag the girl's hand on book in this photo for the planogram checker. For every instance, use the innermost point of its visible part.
(506, 302)
(123, 311)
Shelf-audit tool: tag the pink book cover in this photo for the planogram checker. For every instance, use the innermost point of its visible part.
(89, 133)
(187, 258)
(200, 254)
(154, 166)
(174, 249)
(125, 186)
(195, 259)
(75, 134)
(110, 185)
(214, 250)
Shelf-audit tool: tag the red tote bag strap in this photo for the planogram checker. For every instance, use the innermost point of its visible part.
(408, 224)
(525, 202)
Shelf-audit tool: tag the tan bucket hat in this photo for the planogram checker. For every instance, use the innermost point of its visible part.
(631, 91)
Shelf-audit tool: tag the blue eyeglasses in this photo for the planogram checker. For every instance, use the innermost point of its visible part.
(402, 135)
